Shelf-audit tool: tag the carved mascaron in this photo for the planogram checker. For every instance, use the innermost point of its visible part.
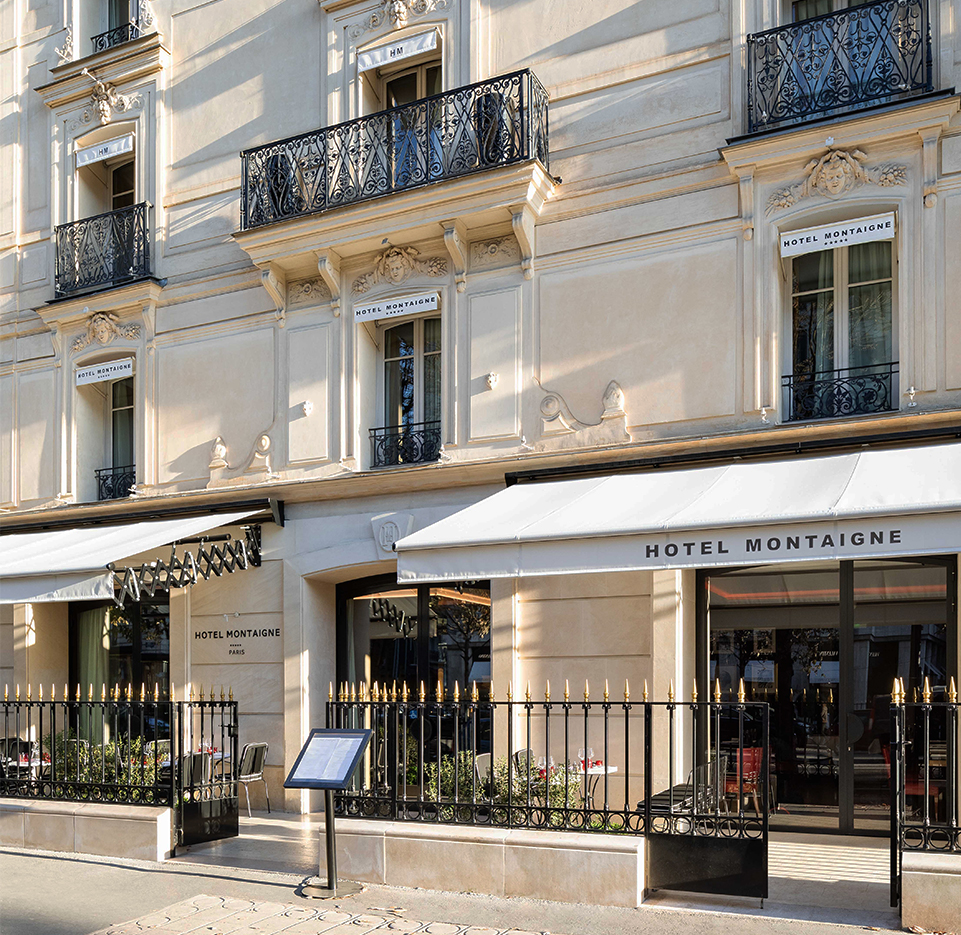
(396, 265)
(102, 329)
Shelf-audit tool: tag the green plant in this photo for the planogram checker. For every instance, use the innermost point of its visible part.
(124, 764)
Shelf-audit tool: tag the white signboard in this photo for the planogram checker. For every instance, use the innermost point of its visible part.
(860, 230)
(408, 305)
(116, 147)
(397, 51)
(111, 370)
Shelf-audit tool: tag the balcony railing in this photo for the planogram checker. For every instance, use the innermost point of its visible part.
(116, 36)
(482, 126)
(855, 58)
(416, 443)
(105, 250)
(850, 391)
(115, 482)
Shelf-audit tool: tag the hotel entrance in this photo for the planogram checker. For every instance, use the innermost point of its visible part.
(822, 644)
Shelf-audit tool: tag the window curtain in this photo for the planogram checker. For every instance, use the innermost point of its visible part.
(870, 332)
(93, 666)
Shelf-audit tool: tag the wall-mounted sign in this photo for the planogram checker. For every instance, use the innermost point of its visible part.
(408, 305)
(397, 51)
(860, 230)
(256, 639)
(107, 150)
(111, 370)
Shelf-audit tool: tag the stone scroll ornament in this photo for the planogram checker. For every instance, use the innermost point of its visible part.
(102, 329)
(397, 13)
(836, 173)
(105, 99)
(396, 265)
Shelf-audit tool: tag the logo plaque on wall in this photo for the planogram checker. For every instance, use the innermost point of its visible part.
(389, 527)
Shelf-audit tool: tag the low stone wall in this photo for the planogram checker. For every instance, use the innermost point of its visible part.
(603, 869)
(931, 891)
(135, 831)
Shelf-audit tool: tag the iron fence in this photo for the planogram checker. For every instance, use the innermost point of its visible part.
(923, 757)
(125, 750)
(104, 250)
(115, 482)
(847, 391)
(482, 126)
(698, 768)
(415, 443)
(116, 36)
(854, 58)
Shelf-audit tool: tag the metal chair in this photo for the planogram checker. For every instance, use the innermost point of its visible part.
(252, 770)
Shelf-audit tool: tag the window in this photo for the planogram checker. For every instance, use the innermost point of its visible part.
(118, 13)
(122, 185)
(842, 332)
(808, 9)
(411, 394)
(118, 477)
(412, 161)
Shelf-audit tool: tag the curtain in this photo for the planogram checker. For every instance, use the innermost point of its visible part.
(94, 666)
(870, 332)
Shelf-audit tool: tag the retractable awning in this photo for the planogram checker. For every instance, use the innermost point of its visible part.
(71, 564)
(875, 503)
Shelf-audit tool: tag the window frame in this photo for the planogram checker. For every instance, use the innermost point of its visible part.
(385, 325)
(109, 453)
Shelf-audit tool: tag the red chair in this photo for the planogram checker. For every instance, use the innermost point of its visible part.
(913, 783)
(745, 780)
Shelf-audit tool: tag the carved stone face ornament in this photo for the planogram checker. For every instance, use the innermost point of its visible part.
(102, 329)
(396, 265)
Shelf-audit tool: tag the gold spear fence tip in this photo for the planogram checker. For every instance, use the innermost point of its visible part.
(156, 691)
(510, 691)
(645, 693)
(627, 690)
(607, 691)
(330, 692)
(29, 689)
(926, 691)
(230, 693)
(567, 690)
(78, 691)
(456, 692)
(740, 692)
(528, 692)
(694, 693)
(952, 691)
(670, 691)
(17, 696)
(222, 695)
(423, 692)
(475, 694)
(717, 691)
(89, 691)
(53, 691)
(40, 692)
(6, 692)
(66, 692)
(587, 690)
(143, 691)
(116, 691)
(404, 692)
(190, 697)
(547, 691)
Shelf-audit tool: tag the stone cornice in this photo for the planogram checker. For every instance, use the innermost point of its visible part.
(117, 300)
(120, 65)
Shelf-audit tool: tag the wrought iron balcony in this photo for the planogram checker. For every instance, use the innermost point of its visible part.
(416, 443)
(482, 126)
(105, 250)
(117, 36)
(850, 391)
(113, 483)
(855, 58)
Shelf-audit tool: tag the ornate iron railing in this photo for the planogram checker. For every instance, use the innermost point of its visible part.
(104, 250)
(128, 748)
(850, 391)
(416, 443)
(693, 770)
(115, 482)
(923, 759)
(482, 126)
(855, 58)
(117, 36)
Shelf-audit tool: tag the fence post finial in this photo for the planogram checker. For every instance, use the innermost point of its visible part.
(627, 692)
(40, 692)
(404, 693)
(330, 692)
(952, 691)
(456, 691)
(740, 692)
(53, 691)
(694, 693)
(375, 693)
(89, 691)
(717, 691)
(230, 692)
(143, 691)
(475, 694)
(926, 691)
(440, 689)
(510, 691)
(895, 693)
(222, 696)
(527, 694)
(547, 691)
(393, 690)
(66, 692)
(190, 696)
(670, 691)
(587, 691)
(156, 691)
(567, 690)
(607, 692)
(17, 695)
(6, 692)
(29, 689)
(646, 694)
(423, 692)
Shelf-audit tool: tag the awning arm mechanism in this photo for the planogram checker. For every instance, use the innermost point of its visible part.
(211, 559)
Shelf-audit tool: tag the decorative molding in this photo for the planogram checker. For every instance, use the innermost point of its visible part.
(489, 254)
(259, 460)
(274, 280)
(563, 430)
(102, 329)
(104, 100)
(397, 13)
(522, 220)
(145, 16)
(307, 292)
(328, 265)
(65, 52)
(396, 265)
(455, 239)
(218, 454)
(837, 172)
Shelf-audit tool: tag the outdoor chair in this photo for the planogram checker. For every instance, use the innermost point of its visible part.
(483, 765)
(252, 770)
(745, 780)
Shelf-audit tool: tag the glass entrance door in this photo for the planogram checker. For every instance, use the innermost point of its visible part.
(822, 645)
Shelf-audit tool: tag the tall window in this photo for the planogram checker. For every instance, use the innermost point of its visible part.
(121, 423)
(808, 9)
(118, 13)
(414, 162)
(842, 328)
(122, 186)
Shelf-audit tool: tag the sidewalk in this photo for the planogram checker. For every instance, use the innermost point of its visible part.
(247, 885)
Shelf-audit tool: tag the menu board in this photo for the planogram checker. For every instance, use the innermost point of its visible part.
(328, 759)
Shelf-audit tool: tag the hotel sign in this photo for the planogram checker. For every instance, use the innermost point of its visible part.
(408, 305)
(397, 51)
(860, 230)
(102, 151)
(111, 370)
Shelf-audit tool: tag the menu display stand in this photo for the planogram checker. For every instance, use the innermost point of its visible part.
(327, 761)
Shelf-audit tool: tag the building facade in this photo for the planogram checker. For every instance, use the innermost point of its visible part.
(365, 259)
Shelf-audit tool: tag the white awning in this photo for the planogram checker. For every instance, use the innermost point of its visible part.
(70, 564)
(876, 503)
(397, 51)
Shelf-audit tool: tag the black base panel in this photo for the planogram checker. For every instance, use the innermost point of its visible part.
(722, 866)
(210, 820)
